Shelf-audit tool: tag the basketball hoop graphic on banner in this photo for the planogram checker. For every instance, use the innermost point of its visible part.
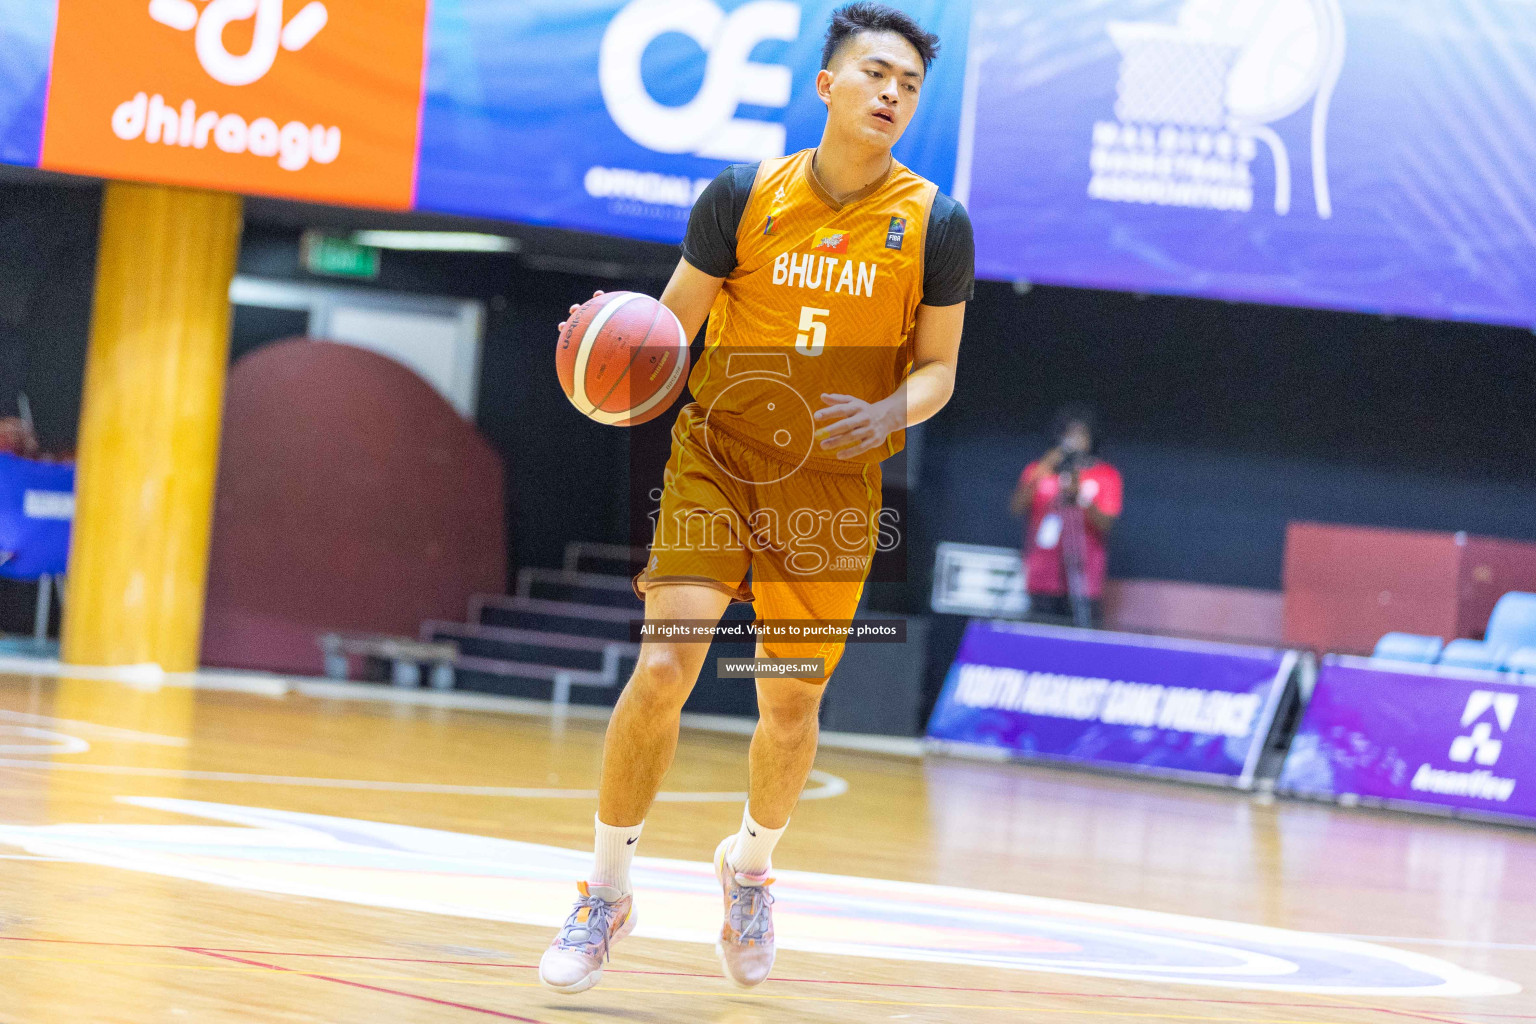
(1196, 99)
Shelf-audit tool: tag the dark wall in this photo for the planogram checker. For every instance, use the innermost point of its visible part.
(570, 478)
(47, 273)
(1228, 421)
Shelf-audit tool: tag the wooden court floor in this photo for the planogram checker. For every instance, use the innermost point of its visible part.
(296, 854)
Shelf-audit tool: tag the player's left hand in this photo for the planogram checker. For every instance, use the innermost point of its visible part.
(851, 426)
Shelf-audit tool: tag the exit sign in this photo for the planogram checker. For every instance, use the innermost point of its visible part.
(338, 257)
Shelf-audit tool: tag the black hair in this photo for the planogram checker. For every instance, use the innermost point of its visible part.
(1076, 412)
(851, 19)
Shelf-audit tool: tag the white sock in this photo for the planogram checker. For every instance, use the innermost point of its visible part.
(615, 849)
(752, 851)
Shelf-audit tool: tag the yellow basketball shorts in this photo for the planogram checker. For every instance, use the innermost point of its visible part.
(807, 532)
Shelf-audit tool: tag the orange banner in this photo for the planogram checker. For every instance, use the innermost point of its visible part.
(306, 99)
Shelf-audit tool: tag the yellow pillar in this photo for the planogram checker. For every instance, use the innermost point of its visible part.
(149, 426)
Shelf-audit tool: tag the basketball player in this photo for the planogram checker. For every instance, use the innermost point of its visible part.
(840, 279)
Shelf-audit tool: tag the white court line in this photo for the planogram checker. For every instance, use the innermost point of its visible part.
(268, 685)
(146, 677)
(828, 785)
(1463, 943)
(105, 732)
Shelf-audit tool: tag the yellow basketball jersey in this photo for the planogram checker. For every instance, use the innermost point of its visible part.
(823, 300)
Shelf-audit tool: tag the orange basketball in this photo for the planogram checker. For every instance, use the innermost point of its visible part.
(622, 359)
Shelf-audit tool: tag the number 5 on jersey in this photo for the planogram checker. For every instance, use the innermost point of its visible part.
(813, 333)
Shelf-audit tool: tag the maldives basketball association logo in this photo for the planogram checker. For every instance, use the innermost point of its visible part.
(1196, 100)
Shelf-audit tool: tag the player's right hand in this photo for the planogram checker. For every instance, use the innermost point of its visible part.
(573, 309)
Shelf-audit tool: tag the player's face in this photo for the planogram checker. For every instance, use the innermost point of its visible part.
(871, 89)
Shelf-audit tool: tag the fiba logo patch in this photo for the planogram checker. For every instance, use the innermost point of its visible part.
(269, 32)
(1196, 99)
(707, 125)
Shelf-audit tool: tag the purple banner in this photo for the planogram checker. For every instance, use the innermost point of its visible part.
(1145, 704)
(1406, 735)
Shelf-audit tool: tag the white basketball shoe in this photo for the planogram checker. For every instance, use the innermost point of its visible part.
(574, 960)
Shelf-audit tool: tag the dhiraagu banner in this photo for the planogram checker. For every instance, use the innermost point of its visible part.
(315, 100)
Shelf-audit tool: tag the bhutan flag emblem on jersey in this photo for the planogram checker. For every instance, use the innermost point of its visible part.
(830, 241)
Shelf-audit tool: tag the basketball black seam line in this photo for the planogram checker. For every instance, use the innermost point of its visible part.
(598, 405)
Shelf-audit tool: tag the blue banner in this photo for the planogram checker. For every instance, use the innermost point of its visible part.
(37, 507)
(1351, 154)
(609, 116)
(1145, 704)
(1365, 155)
(1417, 737)
(26, 47)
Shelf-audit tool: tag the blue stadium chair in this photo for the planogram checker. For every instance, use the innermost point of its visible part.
(1473, 654)
(1409, 647)
(1522, 664)
(1513, 622)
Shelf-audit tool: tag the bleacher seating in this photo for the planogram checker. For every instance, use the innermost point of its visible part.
(566, 635)
(1513, 622)
(1472, 654)
(1508, 644)
(1423, 650)
(1523, 664)
(561, 629)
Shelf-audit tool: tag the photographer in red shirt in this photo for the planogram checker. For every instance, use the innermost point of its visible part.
(1071, 499)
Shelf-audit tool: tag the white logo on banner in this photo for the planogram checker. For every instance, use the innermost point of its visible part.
(55, 505)
(707, 125)
(1196, 98)
(1478, 746)
(294, 145)
(269, 33)
(1481, 745)
(1110, 701)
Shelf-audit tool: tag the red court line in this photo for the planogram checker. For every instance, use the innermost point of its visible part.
(358, 984)
(1420, 1015)
(1049, 993)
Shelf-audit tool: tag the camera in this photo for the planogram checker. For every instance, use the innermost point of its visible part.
(1072, 462)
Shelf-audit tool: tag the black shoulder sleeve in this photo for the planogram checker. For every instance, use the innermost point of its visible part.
(710, 244)
(949, 255)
